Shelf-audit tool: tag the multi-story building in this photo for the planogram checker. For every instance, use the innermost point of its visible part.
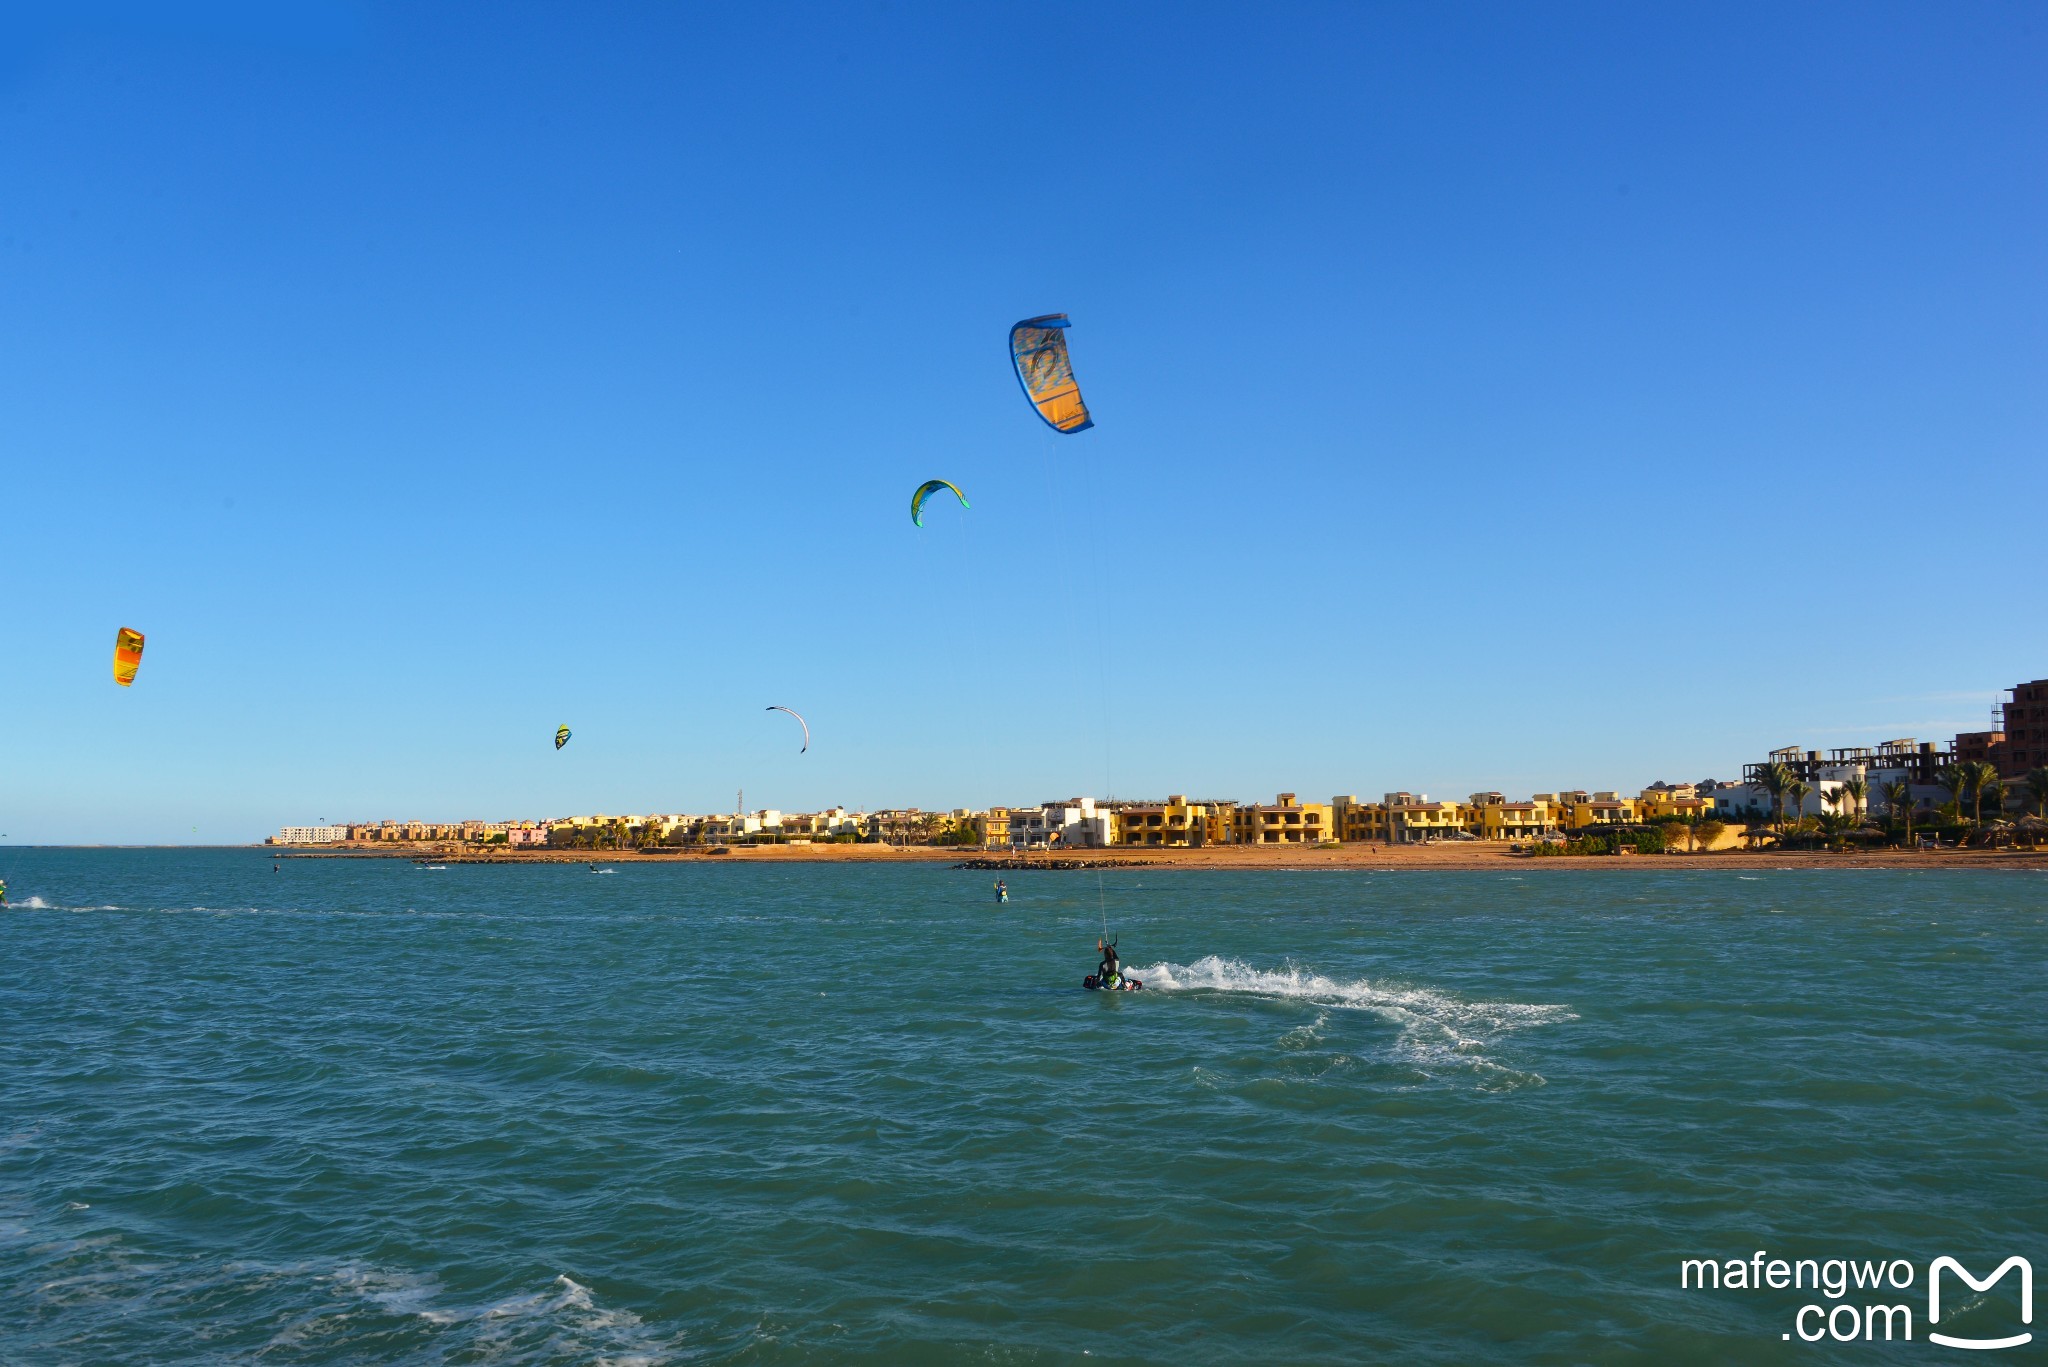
(1918, 764)
(1662, 801)
(311, 835)
(806, 825)
(2026, 730)
(1603, 809)
(1980, 747)
(1357, 822)
(1915, 761)
(1174, 823)
(1412, 818)
(994, 825)
(1076, 823)
(1284, 822)
(745, 825)
(1490, 816)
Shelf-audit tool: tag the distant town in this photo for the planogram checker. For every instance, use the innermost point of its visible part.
(1979, 787)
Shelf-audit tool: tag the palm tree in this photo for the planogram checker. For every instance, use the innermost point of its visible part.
(1898, 800)
(1956, 778)
(1796, 792)
(2037, 784)
(1855, 789)
(1983, 774)
(1774, 778)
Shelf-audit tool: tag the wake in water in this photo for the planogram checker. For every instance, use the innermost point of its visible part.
(1436, 1029)
(562, 1323)
(38, 904)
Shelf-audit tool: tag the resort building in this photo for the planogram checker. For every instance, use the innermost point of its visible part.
(1664, 802)
(1173, 824)
(311, 835)
(823, 825)
(1418, 819)
(1357, 822)
(1490, 816)
(1284, 822)
(1747, 802)
(1073, 824)
(1601, 809)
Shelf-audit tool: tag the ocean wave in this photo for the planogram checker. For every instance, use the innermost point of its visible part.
(1436, 1029)
(563, 1322)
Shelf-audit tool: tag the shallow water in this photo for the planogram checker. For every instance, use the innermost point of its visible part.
(360, 1112)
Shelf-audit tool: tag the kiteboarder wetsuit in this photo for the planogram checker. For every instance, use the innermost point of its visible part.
(1107, 975)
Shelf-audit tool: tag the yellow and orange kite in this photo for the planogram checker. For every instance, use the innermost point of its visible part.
(1038, 348)
(127, 656)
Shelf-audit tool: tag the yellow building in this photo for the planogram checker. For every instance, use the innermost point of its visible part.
(1283, 822)
(1492, 817)
(1598, 809)
(1174, 823)
(1680, 801)
(1357, 822)
(1417, 820)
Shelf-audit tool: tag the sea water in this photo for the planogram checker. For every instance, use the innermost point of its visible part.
(356, 1111)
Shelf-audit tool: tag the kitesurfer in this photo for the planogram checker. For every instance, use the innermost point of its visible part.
(1107, 975)
(1002, 891)
(3, 892)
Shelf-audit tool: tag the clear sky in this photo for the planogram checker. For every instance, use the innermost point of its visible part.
(1487, 396)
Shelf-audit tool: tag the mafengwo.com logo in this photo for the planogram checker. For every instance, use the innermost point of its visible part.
(1872, 1299)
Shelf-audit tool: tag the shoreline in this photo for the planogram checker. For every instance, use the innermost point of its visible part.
(1351, 858)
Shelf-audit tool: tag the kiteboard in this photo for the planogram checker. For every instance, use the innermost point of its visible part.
(1127, 985)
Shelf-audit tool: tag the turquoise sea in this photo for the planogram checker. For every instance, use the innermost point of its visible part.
(359, 1112)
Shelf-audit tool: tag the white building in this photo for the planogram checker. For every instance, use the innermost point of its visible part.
(1753, 802)
(311, 835)
(1073, 824)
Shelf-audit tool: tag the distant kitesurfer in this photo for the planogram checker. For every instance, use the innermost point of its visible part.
(3, 892)
(1002, 891)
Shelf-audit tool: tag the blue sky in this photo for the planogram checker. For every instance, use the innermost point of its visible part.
(1487, 396)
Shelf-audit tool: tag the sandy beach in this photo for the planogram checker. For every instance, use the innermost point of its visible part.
(1392, 858)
